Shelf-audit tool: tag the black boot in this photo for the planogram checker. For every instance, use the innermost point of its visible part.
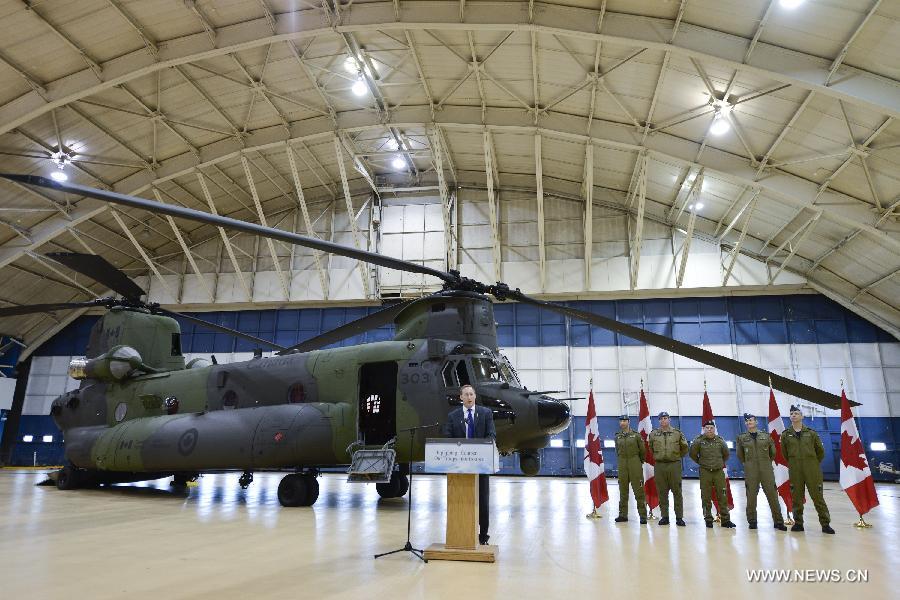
(752, 524)
(709, 524)
(680, 522)
(728, 525)
(827, 529)
(643, 520)
(797, 527)
(780, 527)
(663, 521)
(621, 519)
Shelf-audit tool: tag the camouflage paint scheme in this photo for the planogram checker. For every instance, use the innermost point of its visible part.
(291, 411)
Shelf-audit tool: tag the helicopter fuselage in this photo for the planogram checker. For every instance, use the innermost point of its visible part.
(296, 410)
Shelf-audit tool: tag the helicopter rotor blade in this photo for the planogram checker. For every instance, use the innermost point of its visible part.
(350, 329)
(220, 328)
(233, 224)
(100, 270)
(711, 359)
(13, 311)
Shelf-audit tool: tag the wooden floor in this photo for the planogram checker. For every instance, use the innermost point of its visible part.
(217, 541)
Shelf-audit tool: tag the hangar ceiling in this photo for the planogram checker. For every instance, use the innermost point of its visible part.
(767, 132)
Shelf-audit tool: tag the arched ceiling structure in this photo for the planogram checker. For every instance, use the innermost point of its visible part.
(232, 105)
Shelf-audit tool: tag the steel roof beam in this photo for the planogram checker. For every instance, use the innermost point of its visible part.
(865, 89)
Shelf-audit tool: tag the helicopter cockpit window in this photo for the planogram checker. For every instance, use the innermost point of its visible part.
(448, 374)
(176, 344)
(486, 370)
(509, 373)
(462, 374)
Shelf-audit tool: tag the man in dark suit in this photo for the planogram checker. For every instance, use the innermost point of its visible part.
(470, 421)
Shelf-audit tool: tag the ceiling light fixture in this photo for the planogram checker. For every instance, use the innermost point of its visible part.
(720, 125)
(359, 88)
(350, 65)
(698, 206)
(398, 163)
(791, 4)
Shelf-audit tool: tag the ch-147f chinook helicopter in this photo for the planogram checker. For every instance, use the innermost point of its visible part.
(142, 413)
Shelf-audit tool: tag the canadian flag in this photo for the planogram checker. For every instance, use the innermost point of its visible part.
(644, 429)
(708, 416)
(856, 478)
(780, 466)
(593, 456)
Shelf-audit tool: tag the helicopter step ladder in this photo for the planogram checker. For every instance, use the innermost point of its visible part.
(372, 465)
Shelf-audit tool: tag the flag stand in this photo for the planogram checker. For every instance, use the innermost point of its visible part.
(594, 514)
(789, 521)
(651, 516)
(861, 524)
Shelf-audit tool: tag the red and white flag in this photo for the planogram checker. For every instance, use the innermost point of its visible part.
(644, 429)
(779, 465)
(856, 478)
(593, 456)
(708, 416)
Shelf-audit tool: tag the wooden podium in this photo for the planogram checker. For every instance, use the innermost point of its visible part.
(463, 460)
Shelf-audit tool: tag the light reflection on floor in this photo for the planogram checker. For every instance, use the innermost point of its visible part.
(151, 540)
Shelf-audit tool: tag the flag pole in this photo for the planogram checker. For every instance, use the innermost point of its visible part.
(650, 515)
(593, 514)
(789, 522)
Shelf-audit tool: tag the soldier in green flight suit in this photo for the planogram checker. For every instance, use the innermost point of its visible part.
(804, 452)
(630, 451)
(756, 451)
(710, 452)
(669, 446)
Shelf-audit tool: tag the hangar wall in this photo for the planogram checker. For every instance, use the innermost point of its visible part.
(803, 336)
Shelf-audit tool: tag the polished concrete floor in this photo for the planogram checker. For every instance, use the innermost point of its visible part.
(218, 541)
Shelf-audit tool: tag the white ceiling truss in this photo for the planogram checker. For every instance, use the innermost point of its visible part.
(247, 109)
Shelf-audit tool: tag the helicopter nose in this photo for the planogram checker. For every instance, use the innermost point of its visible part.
(553, 416)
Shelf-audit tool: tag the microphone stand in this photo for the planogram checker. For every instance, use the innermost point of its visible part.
(408, 547)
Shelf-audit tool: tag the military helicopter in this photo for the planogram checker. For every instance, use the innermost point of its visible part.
(141, 413)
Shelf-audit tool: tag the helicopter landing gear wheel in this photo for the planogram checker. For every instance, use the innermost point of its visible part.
(298, 489)
(68, 479)
(395, 488)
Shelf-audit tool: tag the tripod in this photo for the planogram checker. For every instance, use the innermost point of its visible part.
(408, 547)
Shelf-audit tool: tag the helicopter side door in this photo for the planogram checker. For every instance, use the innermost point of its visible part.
(377, 402)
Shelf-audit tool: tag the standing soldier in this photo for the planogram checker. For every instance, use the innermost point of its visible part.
(756, 451)
(711, 452)
(804, 452)
(669, 446)
(630, 451)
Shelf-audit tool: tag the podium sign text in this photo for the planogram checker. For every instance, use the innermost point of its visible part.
(461, 455)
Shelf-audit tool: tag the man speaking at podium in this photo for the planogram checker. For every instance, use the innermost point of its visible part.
(470, 421)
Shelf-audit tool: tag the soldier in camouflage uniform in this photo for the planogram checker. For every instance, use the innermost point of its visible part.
(756, 451)
(710, 451)
(630, 451)
(804, 452)
(669, 446)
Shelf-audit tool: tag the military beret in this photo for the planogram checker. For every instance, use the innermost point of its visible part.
(663, 414)
(623, 418)
(748, 416)
(794, 408)
(705, 423)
